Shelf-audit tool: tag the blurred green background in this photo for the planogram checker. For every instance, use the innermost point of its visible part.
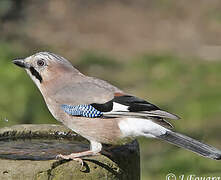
(165, 51)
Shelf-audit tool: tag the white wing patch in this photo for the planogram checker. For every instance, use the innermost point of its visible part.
(119, 107)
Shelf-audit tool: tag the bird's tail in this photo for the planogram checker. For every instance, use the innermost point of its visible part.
(191, 144)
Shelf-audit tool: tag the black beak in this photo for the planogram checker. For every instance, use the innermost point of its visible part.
(20, 63)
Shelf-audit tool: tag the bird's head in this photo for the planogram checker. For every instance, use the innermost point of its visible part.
(45, 66)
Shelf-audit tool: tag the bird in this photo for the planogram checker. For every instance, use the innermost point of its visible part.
(99, 111)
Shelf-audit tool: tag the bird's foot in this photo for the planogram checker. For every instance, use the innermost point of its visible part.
(76, 156)
(71, 156)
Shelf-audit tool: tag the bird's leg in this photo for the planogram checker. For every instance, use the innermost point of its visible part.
(76, 155)
(95, 148)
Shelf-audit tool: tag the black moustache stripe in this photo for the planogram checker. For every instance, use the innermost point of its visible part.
(36, 74)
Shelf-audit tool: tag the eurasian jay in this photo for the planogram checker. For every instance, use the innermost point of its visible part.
(99, 111)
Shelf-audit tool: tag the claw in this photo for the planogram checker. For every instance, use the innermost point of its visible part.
(60, 156)
(80, 161)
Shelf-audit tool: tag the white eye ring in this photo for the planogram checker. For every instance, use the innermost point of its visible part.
(41, 63)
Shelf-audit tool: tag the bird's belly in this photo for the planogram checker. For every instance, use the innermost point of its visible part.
(101, 130)
(97, 129)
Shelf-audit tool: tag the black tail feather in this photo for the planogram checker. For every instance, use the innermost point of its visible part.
(191, 144)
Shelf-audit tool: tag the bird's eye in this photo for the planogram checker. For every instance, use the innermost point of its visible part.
(40, 63)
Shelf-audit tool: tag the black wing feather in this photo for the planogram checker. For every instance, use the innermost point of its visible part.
(136, 107)
(106, 107)
(135, 104)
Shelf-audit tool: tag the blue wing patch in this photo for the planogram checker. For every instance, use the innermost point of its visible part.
(82, 110)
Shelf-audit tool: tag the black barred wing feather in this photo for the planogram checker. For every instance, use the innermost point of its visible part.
(81, 110)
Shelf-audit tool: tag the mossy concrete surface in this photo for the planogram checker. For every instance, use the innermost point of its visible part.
(118, 163)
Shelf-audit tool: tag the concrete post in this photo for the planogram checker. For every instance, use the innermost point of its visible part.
(16, 163)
